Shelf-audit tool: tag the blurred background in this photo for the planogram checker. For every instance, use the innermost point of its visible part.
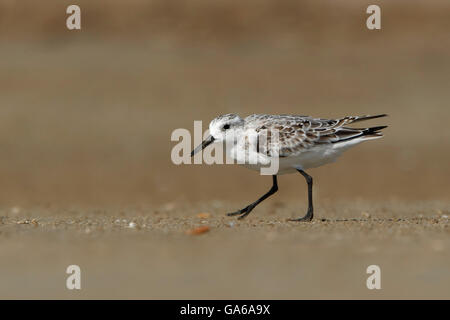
(86, 118)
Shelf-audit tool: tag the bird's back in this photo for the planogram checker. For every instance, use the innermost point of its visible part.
(297, 134)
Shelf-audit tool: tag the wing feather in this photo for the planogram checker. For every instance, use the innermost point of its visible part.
(299, 133)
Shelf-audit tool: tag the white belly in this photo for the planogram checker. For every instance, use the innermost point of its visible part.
(311, 158)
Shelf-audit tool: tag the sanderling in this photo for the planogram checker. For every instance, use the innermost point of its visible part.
(303, 142)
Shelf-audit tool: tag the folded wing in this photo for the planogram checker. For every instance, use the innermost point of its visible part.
(297, 134)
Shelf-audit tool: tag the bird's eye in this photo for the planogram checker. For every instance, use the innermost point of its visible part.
(225, 127)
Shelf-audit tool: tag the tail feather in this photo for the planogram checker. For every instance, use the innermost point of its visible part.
(364, 118)
(366, 133)
(373, 130)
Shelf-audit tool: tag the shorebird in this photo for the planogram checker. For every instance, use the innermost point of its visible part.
(303, 142)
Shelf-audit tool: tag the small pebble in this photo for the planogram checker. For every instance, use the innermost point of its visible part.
(199, 230)
(132, 225)
(203, 215)
(365, 214)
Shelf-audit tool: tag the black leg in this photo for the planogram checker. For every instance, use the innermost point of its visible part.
(310, 213)
(244, 212)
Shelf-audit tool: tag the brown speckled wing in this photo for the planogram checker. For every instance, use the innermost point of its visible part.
(299, 133)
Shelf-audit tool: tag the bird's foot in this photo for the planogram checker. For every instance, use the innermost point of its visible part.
(308, 217)
(243, 212)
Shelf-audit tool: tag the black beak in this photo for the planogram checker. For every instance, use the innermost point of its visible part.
(204, 144)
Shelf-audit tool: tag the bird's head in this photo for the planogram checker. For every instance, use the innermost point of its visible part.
(220, 129)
